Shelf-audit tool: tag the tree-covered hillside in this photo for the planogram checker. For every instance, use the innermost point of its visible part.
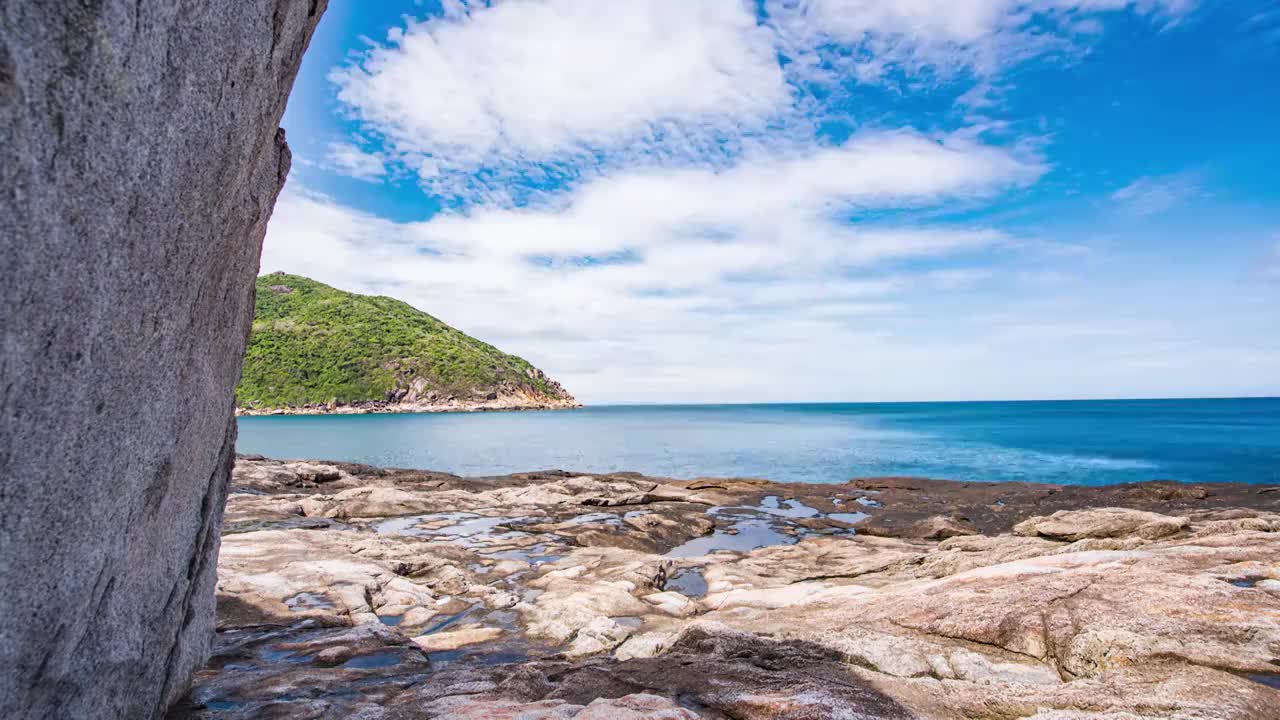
(314, 344)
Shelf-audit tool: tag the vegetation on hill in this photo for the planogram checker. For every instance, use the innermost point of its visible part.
(314, 344)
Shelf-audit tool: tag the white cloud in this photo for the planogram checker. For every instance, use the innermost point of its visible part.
(702, 270)
(639, 204)
(765, 201)
(496, 101)
(350, 160)
(1157, 194)
(919, 313)
(947, 36)
(531, 80)
(965, 22)
(933, 20)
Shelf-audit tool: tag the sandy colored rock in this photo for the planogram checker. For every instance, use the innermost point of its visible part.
(454, 639)
(600, 635)
(645, 645)
(635, 707)
(672, 603)
(1072, 525)
(366, 503)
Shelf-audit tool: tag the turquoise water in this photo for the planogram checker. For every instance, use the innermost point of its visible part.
(1084, 442)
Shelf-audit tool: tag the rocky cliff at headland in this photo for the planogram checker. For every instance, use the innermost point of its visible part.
(316, 349)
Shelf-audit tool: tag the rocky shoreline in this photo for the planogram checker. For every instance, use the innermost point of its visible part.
(347, 591)
(500, 404)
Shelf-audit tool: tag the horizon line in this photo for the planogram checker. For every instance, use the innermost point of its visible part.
(929, 402)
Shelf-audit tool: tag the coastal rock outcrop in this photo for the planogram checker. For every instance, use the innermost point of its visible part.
(140, 157)
(541, 595)
(1102, 523)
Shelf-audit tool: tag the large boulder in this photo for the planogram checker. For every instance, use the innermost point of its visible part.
(140, 157)
(1102, 523)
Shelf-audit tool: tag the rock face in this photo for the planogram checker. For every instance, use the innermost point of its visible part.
(350, 591)
(139, 162)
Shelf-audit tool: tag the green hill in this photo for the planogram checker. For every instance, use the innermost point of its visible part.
(316, 345)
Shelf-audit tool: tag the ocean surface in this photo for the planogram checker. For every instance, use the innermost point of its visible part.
(1077, 442)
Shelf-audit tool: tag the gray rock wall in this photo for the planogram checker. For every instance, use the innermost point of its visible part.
(139, 162)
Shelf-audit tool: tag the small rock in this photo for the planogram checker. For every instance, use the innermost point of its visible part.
(454, 639)
(672, 603)
(600, 635)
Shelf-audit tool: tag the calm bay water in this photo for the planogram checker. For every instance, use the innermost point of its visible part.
(1083, 442)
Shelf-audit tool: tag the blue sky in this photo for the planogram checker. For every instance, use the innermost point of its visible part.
(808, 200)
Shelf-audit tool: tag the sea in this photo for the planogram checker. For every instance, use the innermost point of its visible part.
(1093, 442)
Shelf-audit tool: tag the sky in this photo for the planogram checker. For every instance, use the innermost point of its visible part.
(722, 201)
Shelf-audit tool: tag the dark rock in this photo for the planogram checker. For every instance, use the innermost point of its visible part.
(738, 675)
(936, 527)
(340, 670)
(139, 162)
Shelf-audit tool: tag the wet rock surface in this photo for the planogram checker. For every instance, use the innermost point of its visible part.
(350, 591)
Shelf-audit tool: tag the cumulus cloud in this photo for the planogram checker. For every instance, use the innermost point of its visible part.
(672, 269)
(903, 319)
(679, 321)
(496, 101)
(352, 161)
(534, 80)
(642, 198)
(765, 199)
